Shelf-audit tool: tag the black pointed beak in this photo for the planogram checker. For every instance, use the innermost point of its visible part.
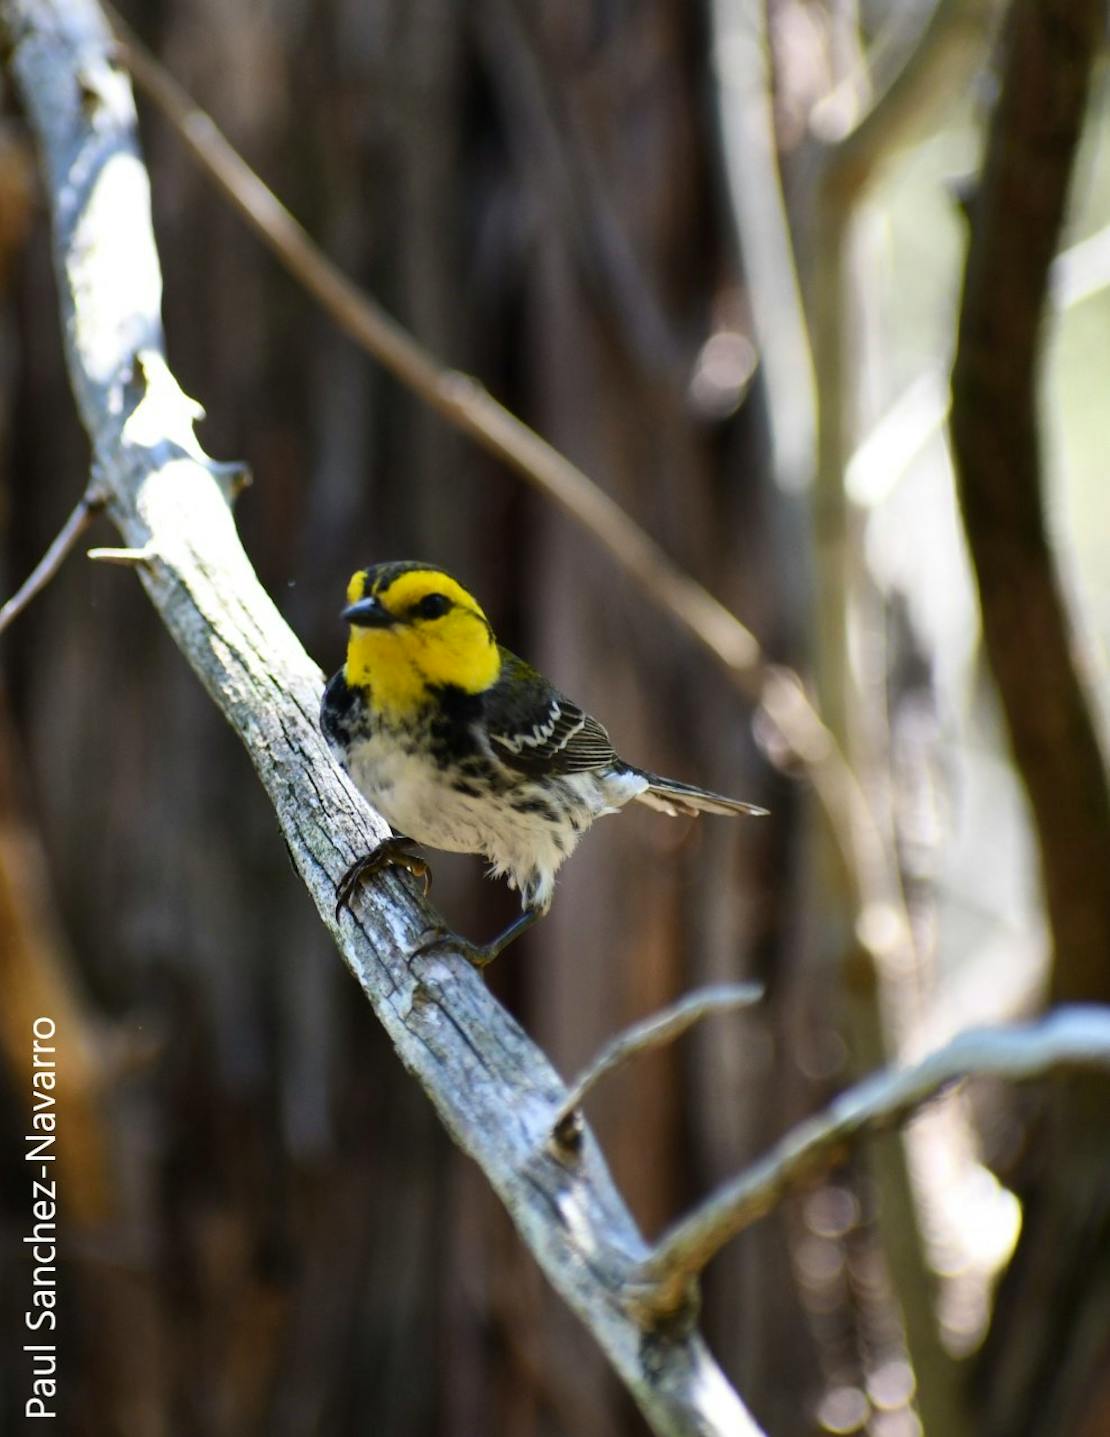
(368, 613)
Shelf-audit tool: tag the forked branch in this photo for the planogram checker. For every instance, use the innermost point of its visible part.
(1070, 1037)
(659, 1028)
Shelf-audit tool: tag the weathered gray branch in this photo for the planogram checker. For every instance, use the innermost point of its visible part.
(1072, 1037)
(493, 1089)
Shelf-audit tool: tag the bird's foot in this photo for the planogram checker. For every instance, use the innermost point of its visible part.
(478, 954)
(396, 852)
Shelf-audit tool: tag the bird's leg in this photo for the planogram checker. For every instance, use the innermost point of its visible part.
(477, 953)
(397, 851)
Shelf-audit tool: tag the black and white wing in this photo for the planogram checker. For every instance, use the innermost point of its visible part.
(535, 729)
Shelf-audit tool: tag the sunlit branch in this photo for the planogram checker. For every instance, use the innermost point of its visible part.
(1071, 1037)
(739, 50)
(923, 69)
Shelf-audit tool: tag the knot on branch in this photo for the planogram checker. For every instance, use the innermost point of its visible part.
(666, 1311)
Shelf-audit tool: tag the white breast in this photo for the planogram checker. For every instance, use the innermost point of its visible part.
(528, 847)
(414, 796)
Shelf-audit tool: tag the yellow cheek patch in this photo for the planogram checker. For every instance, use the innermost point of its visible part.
(400, 663)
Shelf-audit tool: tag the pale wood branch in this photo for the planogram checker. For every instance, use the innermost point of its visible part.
(852, 135)
(1069, 1037)
(493, 1089)
(745, 124)
(919, 75)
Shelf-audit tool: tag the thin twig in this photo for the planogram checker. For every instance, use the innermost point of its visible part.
(659, 1028)
(1069, 1037)
(124, 558)
(559, 167)
(83, 515)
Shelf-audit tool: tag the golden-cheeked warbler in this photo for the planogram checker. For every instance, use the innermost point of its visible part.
(462, 746)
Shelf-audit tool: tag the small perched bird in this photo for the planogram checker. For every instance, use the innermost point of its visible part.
(463, 746)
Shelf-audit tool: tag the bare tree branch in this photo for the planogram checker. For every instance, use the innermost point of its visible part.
(805, 398)
(1072, 1037)
(853, 133)
(918, 74)
(651, 1032)
(494, 1091)
(745, 123)
(80, 519)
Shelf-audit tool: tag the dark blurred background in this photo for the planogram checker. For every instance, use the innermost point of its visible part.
(266, 1230)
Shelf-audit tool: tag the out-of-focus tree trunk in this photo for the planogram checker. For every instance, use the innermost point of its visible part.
(1049, 1346)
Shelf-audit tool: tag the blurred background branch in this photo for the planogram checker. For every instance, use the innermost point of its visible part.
(863, 117)
(80, 519)
(1037, 656)
(1068, 1038)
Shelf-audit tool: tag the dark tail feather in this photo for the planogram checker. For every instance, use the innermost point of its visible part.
(670, 796)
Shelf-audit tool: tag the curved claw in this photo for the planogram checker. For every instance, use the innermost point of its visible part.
(478, 954)
(396, 852)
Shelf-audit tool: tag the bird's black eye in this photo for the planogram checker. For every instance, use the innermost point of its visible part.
(431, 606)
